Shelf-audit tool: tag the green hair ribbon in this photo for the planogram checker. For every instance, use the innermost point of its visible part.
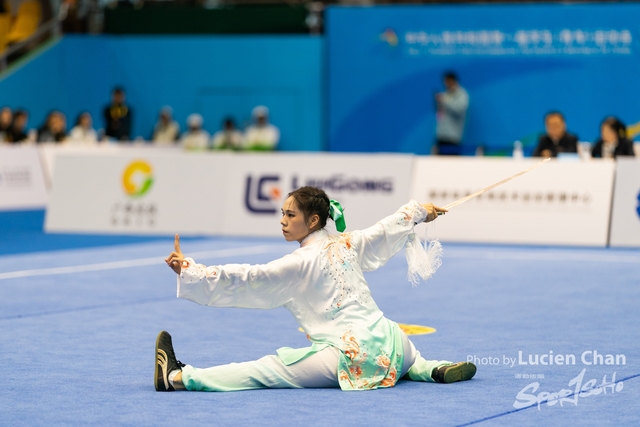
(336, 212)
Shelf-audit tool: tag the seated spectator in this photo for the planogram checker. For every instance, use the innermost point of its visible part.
(166, 130)
(613, 140)
(83, 131)
(261, 136)
(18, 131)
(117, 117)
(6, 118)
(54, 128)
(195, 138)
(73, 14)
(557, 139)
(229, 138)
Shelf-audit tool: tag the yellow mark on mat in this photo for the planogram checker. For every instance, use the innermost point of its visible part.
(409, 329)
(416, 329)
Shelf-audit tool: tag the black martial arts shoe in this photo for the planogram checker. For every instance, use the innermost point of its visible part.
(461, 371)
(166, 362)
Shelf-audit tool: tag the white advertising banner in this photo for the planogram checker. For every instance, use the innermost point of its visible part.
(625, 215)
(126, 193)
(22, 184)
(216, 193)
(368, 186)
(561, 202)
(49, 151)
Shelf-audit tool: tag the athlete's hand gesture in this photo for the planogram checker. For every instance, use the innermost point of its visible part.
(433, 211)
(175, 258)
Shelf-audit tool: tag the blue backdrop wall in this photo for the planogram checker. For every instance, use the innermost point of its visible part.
(213, 76)
(517, 62)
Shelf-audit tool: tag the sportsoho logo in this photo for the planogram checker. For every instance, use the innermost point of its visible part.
(263, 194)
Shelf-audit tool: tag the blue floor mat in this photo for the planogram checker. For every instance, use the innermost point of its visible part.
(77, 343)
(22, 232)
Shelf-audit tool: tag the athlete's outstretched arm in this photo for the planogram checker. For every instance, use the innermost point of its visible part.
(235, 285)
(377, 244)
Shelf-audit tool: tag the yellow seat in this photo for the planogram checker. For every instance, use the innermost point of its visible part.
(5, 25)
(26, 21)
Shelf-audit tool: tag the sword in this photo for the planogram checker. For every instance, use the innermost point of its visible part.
(492, 186)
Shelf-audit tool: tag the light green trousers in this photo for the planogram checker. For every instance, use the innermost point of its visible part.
(316, 371)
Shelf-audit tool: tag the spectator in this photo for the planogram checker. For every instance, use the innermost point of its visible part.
(229, 138)
(118, 117)
(18, 131)
(83, 131)
(262, 136)
(195, 138)
(73, 14)
(557, 139)
(166, 130)
(54, 129)
(613, 140)
(451, 113)
(6, 117)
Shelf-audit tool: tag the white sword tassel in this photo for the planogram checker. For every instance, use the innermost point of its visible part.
(492, 186)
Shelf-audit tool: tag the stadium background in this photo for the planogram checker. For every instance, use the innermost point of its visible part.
(525, 269)
(359, 87)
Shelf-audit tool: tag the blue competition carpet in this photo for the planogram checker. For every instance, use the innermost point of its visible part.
(21, 232)
(79, 326)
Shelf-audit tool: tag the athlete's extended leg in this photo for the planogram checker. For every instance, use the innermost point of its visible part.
(441, 371)
(316, 371)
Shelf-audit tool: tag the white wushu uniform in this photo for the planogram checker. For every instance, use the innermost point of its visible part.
(323, 286)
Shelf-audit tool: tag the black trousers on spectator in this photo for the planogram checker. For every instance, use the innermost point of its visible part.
(447, 147)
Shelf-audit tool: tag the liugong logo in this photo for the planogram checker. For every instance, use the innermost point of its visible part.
(264, 193)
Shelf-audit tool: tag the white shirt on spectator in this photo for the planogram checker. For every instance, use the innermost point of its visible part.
(195, 140)
(166, 135)
(227, 139)
(81, 135)
(262, 137)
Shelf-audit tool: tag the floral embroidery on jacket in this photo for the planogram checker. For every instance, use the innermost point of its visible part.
(340, 263)
(338, 259)
(361, 373)
(383, 361)
(391, 379)
(351, 348)
(412, 212)
(357, 357)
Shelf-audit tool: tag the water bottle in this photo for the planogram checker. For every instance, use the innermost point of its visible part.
(517, 150)
(584, 150)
